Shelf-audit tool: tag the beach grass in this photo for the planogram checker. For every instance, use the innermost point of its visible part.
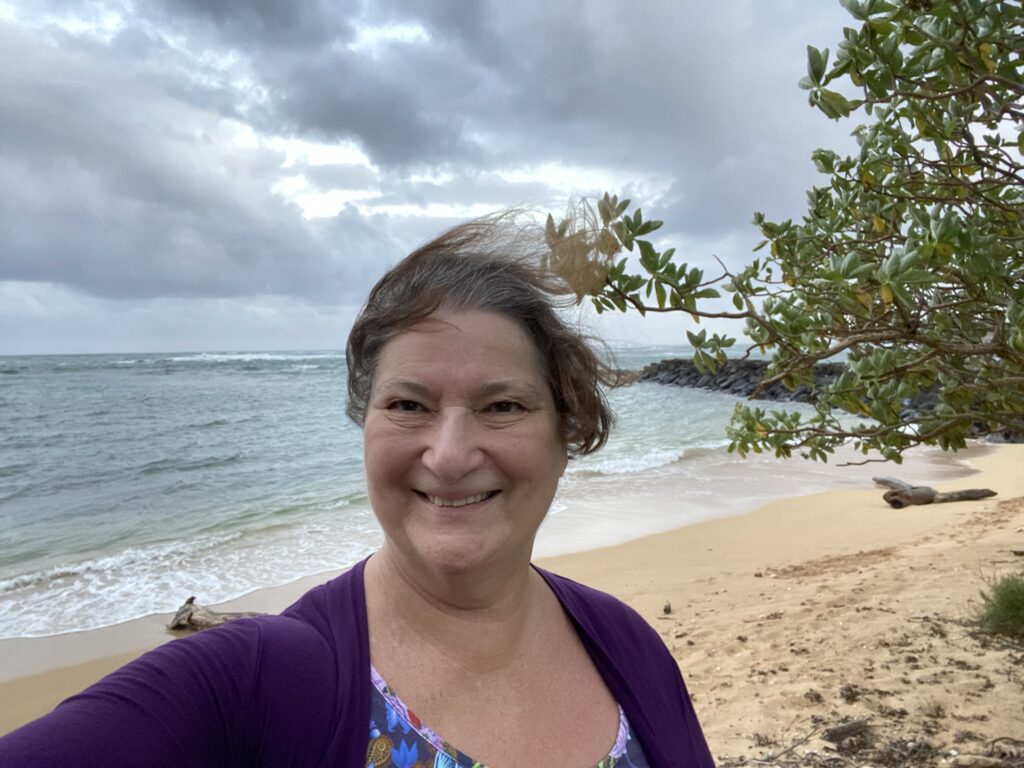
(1002, 611)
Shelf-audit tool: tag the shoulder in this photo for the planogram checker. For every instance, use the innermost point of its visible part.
(335, 606)
(234, 656)
(268, 665)
(603, 617)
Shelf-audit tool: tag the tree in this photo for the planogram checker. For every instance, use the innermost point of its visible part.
(908, 262)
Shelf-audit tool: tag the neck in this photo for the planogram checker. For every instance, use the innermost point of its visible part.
(476, 620)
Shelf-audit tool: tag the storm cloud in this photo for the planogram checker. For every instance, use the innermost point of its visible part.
(236, 150)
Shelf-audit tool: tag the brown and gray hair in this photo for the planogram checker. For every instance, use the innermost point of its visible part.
(492, 264)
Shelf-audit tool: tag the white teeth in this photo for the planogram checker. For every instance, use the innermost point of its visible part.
(442, 502)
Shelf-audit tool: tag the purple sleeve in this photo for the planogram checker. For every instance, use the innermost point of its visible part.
(252, 692)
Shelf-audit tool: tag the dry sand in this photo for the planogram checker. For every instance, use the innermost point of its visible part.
(787, 621)
(833, 607)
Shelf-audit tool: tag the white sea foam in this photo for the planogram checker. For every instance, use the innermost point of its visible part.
(139, 581)
(250, 357)
(630, 464)
(627, 465)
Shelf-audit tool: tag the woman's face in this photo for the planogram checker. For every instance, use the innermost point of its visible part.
(462, 443)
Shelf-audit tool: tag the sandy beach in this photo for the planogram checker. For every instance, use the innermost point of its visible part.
(786, 621)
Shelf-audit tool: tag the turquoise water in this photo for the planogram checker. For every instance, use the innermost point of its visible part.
(128, 482)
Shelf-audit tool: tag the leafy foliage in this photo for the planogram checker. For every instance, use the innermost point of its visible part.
(908, 262)
(1002, 610)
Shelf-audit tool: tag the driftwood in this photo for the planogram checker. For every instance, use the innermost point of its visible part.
(192, 617)
(901, 494)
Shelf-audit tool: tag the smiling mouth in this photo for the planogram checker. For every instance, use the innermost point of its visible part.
(441, 501)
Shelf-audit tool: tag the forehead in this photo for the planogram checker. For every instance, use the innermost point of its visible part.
(484, 345)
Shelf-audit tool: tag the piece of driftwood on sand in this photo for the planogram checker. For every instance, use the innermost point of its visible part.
(192, 617)
(901, 494)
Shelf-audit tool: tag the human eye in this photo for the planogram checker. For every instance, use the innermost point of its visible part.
(405, 406)
(505, 406)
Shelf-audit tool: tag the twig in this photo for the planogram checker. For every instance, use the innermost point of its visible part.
(790, 748)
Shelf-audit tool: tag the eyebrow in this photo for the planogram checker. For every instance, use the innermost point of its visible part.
(406, 384)
(487, 390)
(501, 387)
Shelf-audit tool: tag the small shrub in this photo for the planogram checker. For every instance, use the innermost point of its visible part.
(1002, 610)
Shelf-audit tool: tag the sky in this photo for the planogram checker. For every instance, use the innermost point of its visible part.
(229, 175)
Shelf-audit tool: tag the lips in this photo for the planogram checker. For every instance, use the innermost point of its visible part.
(447, 501)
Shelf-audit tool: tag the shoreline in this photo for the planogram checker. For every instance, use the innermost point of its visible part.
(768, 606)
(594, 513)
(622, 496)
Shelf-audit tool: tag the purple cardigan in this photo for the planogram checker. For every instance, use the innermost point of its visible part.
(294, 690)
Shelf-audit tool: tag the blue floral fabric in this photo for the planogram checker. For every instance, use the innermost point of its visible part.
(399, 739)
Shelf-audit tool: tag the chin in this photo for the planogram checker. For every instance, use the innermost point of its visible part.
(461, 557)
(456, 560)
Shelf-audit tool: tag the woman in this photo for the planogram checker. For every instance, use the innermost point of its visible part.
(472, 395)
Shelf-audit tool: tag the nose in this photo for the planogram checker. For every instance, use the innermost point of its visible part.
(453, 449)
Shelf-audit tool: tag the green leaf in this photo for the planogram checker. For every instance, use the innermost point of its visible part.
(833, 103)
(855, 9)
(649, 226)
(648, 256)
(824, 160)
(816, 62)
(666, 258)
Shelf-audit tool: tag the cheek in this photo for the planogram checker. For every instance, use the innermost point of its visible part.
(540, 456)
(383, 456)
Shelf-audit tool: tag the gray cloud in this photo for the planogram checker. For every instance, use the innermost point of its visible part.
(483, 188)
(255, 24)
(327, 177)
(123, 178)
(123, 192)
(579, 82)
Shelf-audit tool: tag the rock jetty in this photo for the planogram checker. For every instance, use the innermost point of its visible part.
(741, 377)
(736, 377)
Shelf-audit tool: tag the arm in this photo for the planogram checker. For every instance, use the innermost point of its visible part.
(247, 692)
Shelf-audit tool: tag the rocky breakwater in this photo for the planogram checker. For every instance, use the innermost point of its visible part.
(736, 377)
(741, 378)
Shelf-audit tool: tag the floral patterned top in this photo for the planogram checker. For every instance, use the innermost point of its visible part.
(399, 739)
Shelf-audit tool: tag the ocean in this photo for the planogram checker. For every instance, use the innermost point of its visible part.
(130, 482)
